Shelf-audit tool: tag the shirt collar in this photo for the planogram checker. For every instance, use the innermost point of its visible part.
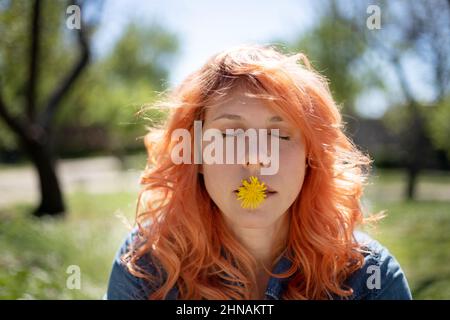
(276, 286)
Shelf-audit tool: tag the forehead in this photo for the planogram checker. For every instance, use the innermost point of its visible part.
(239, 106)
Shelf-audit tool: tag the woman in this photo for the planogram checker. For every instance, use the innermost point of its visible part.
(214, 229)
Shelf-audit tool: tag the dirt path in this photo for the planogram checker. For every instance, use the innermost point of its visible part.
(93, 175)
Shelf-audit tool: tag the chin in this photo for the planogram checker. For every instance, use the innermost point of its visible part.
(256, 218)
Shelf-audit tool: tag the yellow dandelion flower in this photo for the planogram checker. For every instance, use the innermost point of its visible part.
(251, 194)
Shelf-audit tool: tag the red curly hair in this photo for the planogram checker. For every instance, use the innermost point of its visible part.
(183, 231)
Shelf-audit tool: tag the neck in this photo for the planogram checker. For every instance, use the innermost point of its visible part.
(264, 244)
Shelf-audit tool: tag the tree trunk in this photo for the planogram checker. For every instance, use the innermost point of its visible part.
(34, 132)
(413, 173)
(418, 147)
(51, 202)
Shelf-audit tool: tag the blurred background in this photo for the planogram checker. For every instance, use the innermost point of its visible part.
(71, 139)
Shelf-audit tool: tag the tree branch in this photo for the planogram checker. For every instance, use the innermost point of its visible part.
(392, 56)
(12, 123)
(35, 32)
(56, 97)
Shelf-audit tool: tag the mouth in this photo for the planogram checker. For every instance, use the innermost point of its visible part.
(269, 191)
(252, 194)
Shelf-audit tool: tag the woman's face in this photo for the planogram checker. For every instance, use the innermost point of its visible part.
(222, 180)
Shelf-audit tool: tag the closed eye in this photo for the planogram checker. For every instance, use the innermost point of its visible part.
(224, 135)
(283, 137)
(235, 133)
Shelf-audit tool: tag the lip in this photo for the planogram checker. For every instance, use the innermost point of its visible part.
(269, 190)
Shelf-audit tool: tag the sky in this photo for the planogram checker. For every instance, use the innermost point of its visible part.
(207, 27)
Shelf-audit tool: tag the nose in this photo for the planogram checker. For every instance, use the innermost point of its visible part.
(254, 167)
(256, 158)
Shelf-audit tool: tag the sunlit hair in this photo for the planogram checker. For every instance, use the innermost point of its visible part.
(183, 232)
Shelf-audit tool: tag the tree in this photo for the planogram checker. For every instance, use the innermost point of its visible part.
(334, 48)
(107, 96)
(357, 58)
(418, 31)
(24, 107)
(129, 76)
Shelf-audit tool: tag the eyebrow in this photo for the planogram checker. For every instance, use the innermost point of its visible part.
(230, 116)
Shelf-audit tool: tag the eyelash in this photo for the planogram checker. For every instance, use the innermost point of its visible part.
(287, 138)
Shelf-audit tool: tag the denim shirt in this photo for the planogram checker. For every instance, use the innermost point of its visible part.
(380, 277)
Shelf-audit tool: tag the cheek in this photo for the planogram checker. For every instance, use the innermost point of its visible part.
(217, 179)
(211, 175)
(292, 165)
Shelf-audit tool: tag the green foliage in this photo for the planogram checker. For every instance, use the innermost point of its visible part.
(398, 119)
(439, 125)
(110, 91)
(142, 54)
(334, 50)
(115, 88)
(437, 122)
(55, 54)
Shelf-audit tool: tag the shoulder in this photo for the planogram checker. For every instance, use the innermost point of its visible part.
(380, 277)
(122, 284)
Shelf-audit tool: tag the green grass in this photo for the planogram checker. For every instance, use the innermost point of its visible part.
(135, 161)
(36, 252)
(417, 233)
